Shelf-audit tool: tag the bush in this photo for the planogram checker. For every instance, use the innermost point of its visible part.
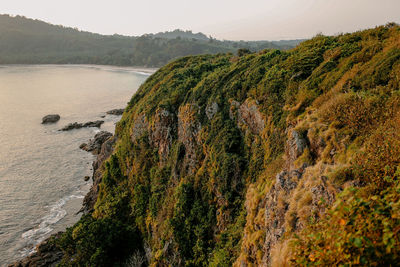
(98, 242)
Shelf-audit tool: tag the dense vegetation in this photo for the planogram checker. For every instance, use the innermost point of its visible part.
(27, 41)
(271, 158)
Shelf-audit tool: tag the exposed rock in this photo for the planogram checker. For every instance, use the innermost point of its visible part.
(52, 118)
(248, 115)
(295, 147)
(46, 254)
(95, 144)
(93, 124)
(283, 203)
(71, 126)
(279, 200)
(321, 191)
(91, 196)
(139, 127)
(118, 111)
(211, 110)
(86, 178)
(162, 132)
(188, 128)
(77, 125)
(276, 207)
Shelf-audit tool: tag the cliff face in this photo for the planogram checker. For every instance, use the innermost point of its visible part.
(253, 161)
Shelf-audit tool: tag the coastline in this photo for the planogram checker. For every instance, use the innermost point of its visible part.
(46, 252)
(53, 218)
(136, 69)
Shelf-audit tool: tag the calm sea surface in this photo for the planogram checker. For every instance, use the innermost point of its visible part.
(41, 168)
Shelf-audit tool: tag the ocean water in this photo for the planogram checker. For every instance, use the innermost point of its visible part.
(42, 169)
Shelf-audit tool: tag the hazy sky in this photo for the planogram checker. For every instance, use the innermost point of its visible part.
(224, 19)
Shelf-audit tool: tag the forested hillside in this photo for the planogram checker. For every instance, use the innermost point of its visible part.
(27, 41)
(274, 158)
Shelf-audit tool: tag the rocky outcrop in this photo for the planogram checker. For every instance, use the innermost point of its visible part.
(52, 118)
(94, 145)
(251, 116)
(162, 132)
(140, 126)
(188, 129)
(47, 254)
(77, 125)
(248, 115)
(276, 207)
(211, 110)
(118, 111)
(295, 146)
(296, 194)
(105, 152)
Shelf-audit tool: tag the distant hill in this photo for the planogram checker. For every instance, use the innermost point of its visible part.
(181, 34)
(28, 41)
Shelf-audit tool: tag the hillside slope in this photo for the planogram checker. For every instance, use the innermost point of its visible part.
(270, 159)
(28, 41)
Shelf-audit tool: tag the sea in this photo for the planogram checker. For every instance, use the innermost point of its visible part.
(42, 169)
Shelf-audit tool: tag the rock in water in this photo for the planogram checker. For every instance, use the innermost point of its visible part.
(71, 126)
(95, 144)
(52, 118)
(117, 111)
(93, 124)
(76, 125)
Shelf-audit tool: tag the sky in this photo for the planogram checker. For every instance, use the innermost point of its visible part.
(222, 19)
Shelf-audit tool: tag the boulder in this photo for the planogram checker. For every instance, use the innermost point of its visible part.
(77, 125)
(51, 118)
(93, 124)
(117, 111)
(94, 145)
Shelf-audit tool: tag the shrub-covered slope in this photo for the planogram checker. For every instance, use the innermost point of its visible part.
(276, 158)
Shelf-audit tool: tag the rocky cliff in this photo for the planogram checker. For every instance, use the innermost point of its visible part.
(277, 158)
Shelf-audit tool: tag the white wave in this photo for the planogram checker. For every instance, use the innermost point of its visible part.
(96, 130)
(142, 73)
(39, 233)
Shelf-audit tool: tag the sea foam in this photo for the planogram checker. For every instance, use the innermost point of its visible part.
(41, 231)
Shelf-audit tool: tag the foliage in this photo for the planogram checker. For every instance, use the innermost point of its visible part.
(360, 230)
(201, 142)
(362, 227)
(98, 242)
(27, 41)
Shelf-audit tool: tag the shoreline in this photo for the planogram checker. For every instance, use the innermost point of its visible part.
(136, 69)
(55, 215)
(45, 252)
